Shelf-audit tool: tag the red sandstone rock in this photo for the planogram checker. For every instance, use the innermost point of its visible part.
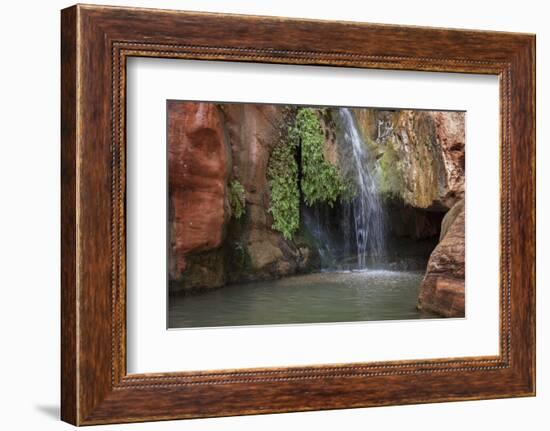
(442, 289)
(198, 169)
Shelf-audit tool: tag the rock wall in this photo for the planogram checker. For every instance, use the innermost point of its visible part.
(253, 131)
(442, 289)
(420, 158)
(419, 155)
(450, 135)
(199, 161)
(211, 145)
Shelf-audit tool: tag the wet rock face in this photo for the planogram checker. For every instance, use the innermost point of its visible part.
(420, 155)
(442, 289)
(198, 169)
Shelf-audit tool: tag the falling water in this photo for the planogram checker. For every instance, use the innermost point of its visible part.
(350, 235)
(316, 219)
(368, 214)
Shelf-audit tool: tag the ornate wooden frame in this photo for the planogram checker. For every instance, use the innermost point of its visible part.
(95, 43)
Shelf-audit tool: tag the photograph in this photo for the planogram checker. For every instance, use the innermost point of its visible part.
(275, 215)
(297, 214)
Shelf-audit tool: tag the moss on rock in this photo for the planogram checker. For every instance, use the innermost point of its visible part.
(237, 199)
(391, 179)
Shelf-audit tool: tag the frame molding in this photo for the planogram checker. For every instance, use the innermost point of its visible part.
(95, 43)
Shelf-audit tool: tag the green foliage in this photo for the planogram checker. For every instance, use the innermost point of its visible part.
(282, 174)
(237, 199)
(320, 181)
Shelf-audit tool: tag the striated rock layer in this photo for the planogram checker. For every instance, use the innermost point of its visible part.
(442, 289)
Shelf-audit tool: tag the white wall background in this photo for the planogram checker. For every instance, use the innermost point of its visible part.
(29, 216)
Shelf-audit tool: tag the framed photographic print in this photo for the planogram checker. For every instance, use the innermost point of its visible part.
(265, 215)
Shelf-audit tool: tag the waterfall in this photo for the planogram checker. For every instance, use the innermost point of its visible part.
(351, 233)
(368, 213)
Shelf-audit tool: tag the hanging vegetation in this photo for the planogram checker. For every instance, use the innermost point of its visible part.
(320, 180)
(282, 174)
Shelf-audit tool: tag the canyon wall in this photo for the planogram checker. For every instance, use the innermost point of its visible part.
(257, 250)
(223, 201)
(419, 155)
(198, 169)
(212, 146)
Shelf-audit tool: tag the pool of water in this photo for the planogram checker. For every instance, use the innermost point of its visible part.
(342, 296)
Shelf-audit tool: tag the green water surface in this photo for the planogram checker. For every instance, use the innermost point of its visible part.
(340, 296)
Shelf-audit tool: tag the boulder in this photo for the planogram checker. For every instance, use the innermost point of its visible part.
(442, 289)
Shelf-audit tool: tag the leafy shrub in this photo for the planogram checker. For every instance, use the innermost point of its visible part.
(320, 181)
(282, 174)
